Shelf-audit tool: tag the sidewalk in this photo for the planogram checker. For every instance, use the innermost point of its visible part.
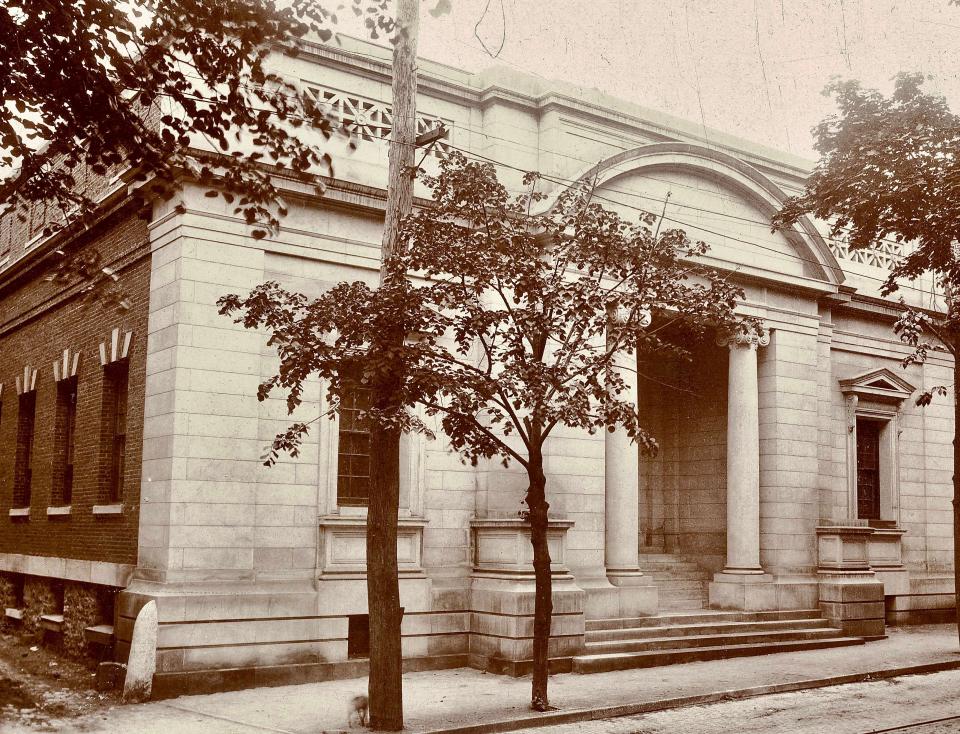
(469, 700)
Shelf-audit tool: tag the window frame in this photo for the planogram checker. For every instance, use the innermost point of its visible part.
(412, 462)
(24, 455)
(357, 393)
(65, 430)
(113, 430)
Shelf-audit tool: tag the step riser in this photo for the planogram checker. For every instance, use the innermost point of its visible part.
(681, 593)
(673, 657)
(673, 571)
(676, 643)
(711, 617)
(704, 629)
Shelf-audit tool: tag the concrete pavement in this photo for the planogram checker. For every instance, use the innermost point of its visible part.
(466, 700)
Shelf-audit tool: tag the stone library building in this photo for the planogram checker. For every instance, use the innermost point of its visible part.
(800, 498)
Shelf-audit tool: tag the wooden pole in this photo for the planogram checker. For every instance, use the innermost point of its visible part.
(403, 133)
(385, 685)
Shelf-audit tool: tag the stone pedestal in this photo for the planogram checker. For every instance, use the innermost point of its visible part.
(853, 602)
(851, 595)
(502, 598)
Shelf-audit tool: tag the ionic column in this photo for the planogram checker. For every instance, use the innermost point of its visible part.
(743, 455)
(622, 495)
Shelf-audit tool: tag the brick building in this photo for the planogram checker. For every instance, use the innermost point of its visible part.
(799, 491)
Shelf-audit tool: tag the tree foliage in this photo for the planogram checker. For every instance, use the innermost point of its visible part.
(96, 84)
(890, 169)
(516, 321)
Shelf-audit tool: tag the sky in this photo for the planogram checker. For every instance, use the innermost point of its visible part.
(753, 68)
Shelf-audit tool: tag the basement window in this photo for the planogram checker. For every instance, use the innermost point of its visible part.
(358, 636)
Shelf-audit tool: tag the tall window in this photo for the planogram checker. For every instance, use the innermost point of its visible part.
(114, 431)
(22, 469)
(868, 469)
(353, 453)
(65, 424)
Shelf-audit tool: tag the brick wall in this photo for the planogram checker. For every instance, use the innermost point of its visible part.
(38, 320)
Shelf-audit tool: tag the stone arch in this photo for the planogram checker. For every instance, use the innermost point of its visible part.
(732, 173)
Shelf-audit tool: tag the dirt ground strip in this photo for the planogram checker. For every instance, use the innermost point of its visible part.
(41, 690)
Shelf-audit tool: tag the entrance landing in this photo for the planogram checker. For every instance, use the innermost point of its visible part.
(682, 584)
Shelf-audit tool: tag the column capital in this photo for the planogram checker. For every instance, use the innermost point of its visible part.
(750, 339)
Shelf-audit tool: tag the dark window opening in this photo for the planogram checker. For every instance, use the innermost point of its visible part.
(22, 469)
(114, 434)
(64, 432)
(358, 636)
(353, 452)
(868, 469)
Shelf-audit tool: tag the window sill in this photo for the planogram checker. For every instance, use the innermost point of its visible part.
(59, 511)
(20, 512)
(108, 509)
(360, 520)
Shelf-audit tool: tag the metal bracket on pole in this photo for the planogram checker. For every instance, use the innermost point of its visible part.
(428, 139)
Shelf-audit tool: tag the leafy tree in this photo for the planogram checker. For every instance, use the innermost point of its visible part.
(171, 90)
(890, 168)
(516, 321)
(94, 85)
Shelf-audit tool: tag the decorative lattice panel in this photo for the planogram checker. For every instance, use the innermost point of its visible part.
(883, 254)
(371, 119)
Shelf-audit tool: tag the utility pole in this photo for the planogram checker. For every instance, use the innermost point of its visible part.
(403, 133)
(385, 685)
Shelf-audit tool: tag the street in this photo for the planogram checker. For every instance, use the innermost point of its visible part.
(890, 706)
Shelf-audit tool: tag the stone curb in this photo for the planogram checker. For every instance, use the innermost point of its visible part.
(632, 709)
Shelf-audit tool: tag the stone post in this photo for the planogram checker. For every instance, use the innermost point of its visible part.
(743, 456)
(629, 592)
(737, 587)
(622, 476)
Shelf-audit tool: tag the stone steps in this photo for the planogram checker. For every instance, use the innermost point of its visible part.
(696, 630)
(702, 641)
(700, 617)
(665, 639)
(602, 663)
(682, 583)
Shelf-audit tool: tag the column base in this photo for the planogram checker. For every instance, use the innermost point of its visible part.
(619, 594)
(637, 595)
(628, 577)
(743, 589)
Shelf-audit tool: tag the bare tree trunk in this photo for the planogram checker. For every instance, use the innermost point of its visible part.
(385, 685)
(543, 604)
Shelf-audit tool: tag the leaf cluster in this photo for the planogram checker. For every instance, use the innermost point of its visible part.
(890, 169)
(94, 85)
